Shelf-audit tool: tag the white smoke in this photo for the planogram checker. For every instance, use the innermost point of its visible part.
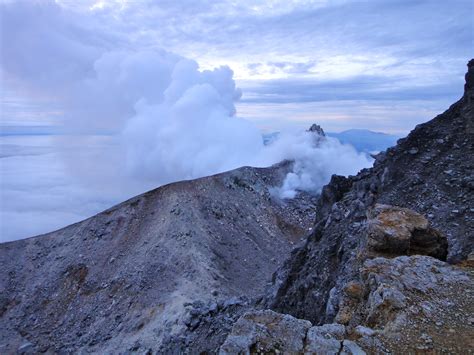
(315, 162)
(192, 131)
(167, 119)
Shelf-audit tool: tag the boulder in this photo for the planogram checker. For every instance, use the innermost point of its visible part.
(266, 331)
(400, 231)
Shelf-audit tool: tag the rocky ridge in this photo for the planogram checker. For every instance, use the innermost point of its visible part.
(153, 270)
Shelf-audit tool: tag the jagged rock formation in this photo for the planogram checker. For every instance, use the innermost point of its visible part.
(430, 172)
(317, 129)
(266, 331)
(152, 268)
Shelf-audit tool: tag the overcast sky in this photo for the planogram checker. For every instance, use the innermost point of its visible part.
(382, 65)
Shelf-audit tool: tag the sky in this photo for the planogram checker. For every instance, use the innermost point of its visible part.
(381, 65)
(102, 100)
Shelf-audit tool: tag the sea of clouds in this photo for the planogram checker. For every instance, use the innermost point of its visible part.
(136, 118)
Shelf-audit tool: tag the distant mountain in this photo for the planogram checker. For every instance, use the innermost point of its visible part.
(365, 140)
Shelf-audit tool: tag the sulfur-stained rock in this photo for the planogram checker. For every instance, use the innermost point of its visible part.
(401, 231)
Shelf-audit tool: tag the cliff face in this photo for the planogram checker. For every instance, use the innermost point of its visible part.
(431, 172)
(357, 268)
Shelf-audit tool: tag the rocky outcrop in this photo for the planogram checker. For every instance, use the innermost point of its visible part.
(270, 332)
(400, 231)
(410, 303)
(396, 305)
(266, 332)
(317, 129)
(430, 173)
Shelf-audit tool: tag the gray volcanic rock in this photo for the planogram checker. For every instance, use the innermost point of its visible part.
(143, 273)
(409, 300)
(325, 339)
(317, 129)
(266, 332)
(402, 305)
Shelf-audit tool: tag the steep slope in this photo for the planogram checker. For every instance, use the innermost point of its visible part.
(430, 172)
(124, 279)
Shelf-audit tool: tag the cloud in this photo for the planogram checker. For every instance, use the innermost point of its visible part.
(282, 68)
(315, 158)
(37, 195)
(41, 46)
(358, 87)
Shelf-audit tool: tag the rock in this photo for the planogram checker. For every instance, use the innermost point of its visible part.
(26, 348)
(383, 303)
(469, 77)
(266, 331)
(391, 283)
(317, 344)
(400, 231)
(317, 129)
(354, 289)
(334, 330)
(332, 192)
(325, 339)
(351, 348)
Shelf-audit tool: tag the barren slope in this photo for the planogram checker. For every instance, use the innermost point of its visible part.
(122, 277)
